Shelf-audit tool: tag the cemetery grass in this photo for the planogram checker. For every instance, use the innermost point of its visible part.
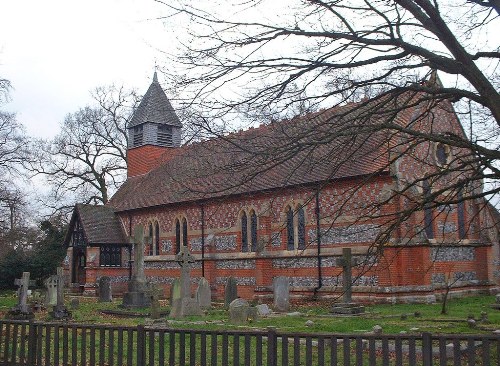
(410, 318)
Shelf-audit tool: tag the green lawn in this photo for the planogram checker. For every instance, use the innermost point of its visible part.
(388, 316)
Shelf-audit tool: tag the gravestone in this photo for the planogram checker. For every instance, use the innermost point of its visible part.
(59, 311)
(281, 291)
(263, 310)
(203, 294)
(22, 310)
(51, 285)
(137, 295)
(347, 306)
(182, 302)
(238, 311)
(105, 292)
(156, 293)
(231, 291)
(75, 303)
(175, 299)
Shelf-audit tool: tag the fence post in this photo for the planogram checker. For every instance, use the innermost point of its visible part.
(141, 345)
(32, 343)
(272, 352)
(427, 349)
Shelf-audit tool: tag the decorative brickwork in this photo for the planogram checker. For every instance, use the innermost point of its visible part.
(166, 246)
(349, 234)
(452, 254)
(235, 264)
(448, 227)
(276, 239)
(226, 242)
(242, 281)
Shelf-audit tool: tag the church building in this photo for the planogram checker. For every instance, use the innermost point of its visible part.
(284, 199)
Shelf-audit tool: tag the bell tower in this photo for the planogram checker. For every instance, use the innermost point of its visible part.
(153, 130)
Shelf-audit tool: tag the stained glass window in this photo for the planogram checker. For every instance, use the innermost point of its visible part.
(428, 220)
(150, 239)
(301, 228)
(184, 232)
(290, 237)
(177, 236)
(157, 239)
(442, 154)
(461, 216)
(110, 256)
(244, 233)
(253, 230)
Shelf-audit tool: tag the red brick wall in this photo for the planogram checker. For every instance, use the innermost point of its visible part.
(142, 159)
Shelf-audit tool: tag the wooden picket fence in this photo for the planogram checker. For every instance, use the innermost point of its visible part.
(38, 343)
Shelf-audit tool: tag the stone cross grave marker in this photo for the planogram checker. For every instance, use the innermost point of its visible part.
(137, 295)
(138, 269)
(184, 258)
(51, 284)
(347, 263)
(347, 307)
(22, 292)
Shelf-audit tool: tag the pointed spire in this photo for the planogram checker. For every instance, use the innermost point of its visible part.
(155, 77)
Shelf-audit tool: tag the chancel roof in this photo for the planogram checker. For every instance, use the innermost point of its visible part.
(314, 148)
(155, 108)
(100, 224)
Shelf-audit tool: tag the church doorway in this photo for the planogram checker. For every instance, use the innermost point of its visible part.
(79, 263)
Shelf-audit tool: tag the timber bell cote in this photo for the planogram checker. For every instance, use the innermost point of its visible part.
(153, 131)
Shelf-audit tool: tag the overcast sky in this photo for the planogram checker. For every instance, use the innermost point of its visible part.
(55, 51)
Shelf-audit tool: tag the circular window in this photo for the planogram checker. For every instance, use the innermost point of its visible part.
(442, 154)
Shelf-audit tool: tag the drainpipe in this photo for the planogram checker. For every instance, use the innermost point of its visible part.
(130, 247)
(202, 241)
(318, 243)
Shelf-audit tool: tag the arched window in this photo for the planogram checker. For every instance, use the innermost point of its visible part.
(301, 228)
(157, 239)
(461, 216)
(428, 220)
(244, 232)
(150, 239)
(253, 230)
(177, 236)
(290, 232)
(184, 232)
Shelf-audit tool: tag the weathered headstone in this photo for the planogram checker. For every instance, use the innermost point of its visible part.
(347, 306)
(105, 292)
(137, 295)
(263, 310)
(231, 291)
(59, 311)
(22, 310)
(281, 291)
(156, 293)
(75, 303)
(51, 285)
(238, 311)
(175, 299)
(203, 294)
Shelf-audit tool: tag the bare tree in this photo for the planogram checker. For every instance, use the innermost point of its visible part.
(261, 62)
(86, 161)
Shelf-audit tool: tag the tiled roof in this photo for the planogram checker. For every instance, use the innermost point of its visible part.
(155, 108)
(273, 156)
(100, 224)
